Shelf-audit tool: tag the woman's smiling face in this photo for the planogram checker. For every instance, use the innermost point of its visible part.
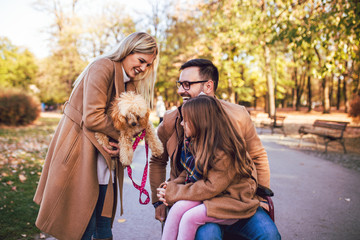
(137, 63)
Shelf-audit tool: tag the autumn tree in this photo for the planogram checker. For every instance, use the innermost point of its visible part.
(18, 67)
(104, 29)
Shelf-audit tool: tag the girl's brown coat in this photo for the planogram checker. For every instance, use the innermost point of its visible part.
(171, 133)
(68, 189)
(225, 194)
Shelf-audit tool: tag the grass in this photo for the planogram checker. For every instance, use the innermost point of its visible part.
(22, 153)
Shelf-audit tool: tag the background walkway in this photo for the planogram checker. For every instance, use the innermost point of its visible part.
(314, 198)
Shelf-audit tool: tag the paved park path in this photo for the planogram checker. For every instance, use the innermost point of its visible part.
(314, 198)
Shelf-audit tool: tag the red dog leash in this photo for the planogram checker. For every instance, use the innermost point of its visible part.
(129, 170)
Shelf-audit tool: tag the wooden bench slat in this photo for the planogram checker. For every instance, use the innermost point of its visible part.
(330, 124)
(335, 133)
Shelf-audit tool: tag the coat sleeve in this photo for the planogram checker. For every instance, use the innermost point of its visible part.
(97, 83)
(157, 165)
(218, 180)
(255, 149)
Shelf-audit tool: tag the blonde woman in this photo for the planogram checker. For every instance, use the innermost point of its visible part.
(77, 190)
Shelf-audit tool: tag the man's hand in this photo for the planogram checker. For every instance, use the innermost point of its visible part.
(160, 213)
(265, 206)
(115, 152)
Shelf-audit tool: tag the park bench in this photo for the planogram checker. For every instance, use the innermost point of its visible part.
(326, 129)
(279, 123)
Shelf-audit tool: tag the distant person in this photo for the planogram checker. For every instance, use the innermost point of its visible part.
(160, 108)
(77, 191)
(43, 106)
(218, 179)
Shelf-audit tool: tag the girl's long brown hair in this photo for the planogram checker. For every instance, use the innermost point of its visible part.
(213, 131)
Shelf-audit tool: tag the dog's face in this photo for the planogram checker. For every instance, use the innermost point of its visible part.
(130, 112)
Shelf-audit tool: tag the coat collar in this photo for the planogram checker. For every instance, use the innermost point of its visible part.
(119, 79)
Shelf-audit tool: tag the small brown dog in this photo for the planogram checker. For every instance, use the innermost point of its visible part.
(130, 116)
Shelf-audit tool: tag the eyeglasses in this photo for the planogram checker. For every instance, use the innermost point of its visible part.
(186, 84)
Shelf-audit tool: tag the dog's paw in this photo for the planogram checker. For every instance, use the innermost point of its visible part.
(156, 148)
(103, 140)
(126, 162)
(126, 157)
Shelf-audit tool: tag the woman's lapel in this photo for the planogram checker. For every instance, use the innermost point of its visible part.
(119, 79)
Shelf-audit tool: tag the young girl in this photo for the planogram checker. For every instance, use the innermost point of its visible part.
(218, 181)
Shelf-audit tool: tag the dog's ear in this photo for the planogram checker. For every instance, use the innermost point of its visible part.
(114, 109)
(119, 122)
(144, 121)
(118, 119)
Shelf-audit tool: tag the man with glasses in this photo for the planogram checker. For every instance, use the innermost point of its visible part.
(200, 76)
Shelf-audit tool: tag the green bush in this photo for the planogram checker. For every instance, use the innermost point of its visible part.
(17, 108)
(354, 111)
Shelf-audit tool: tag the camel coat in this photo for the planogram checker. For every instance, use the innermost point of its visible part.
(171, 134)
(68, 188)
(225, 194)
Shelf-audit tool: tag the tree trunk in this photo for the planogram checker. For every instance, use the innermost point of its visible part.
(326, 100)
(325, 88)
(255, 98)
(338, 97)
(298, 100)
(266, 103)
(345, 95)
(270, 82)
(331, 90)
(230, 90)
(293, 103)
(297, 91)
(309, 88)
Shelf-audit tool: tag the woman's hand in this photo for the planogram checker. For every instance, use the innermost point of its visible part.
(161, 191)
(115, 151)
(160, 213)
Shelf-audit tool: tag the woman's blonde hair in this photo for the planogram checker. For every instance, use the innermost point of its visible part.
(213, 131)
(138, 42)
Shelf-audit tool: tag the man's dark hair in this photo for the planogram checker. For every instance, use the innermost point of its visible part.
(207, 69)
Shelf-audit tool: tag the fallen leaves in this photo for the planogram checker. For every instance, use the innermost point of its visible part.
(9, 183)
(22, 154)
(22, 178)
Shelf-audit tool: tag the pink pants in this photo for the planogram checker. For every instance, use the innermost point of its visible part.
(185, 217)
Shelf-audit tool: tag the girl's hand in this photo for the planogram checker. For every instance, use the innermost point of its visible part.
(115, 151)
(161, 191)
(264, 205)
